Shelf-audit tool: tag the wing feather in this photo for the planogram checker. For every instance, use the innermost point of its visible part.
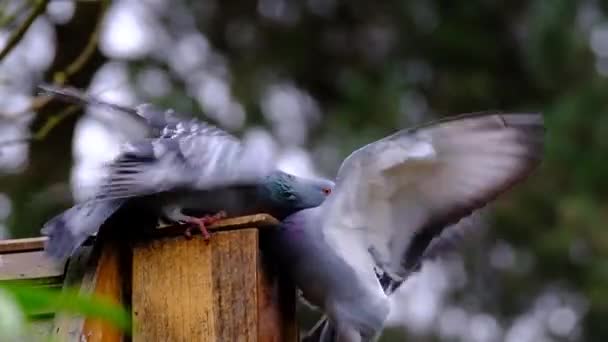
(418, 181)
(178, 152)
(188, 154)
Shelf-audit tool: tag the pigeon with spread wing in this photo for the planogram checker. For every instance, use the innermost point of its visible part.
(391, 199)
(450, 240)
(187, 171)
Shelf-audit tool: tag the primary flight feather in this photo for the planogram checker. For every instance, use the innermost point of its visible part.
(391, 198)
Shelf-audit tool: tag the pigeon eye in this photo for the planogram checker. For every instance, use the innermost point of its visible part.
(326, 191)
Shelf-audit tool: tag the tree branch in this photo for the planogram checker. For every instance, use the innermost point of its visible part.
(20, 32)
(7, 20)
(60, 78)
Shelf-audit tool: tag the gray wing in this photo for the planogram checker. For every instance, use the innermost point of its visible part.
(157, 120)
(431, 244)
(417, 181)
(68, 230)
(179, 153)
(188, 155)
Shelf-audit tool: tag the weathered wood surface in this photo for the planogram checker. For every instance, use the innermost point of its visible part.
(22, 245)
(37, 243)
(102, 270)
(29, 265)
(111, 271)
(260, 221)
(217, 290)
(80, 274)
(276, 304)
(194, 290)
(182, 290)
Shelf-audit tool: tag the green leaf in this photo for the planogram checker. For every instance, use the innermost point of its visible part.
(36, 299)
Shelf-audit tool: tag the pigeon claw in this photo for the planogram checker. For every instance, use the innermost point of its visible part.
(201, 224)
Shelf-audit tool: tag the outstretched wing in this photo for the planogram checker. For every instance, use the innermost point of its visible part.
(412, 184)
(190, 155)
(155, 119)
(179, 153)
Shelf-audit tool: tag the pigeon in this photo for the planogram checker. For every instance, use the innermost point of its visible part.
(391, 199)
(448, 241)
(191, 172)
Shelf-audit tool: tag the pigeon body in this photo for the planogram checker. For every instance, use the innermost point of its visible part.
(277, 194)
(185, 169)
(392, 198)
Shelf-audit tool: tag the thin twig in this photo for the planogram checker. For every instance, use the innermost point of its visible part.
(20, 32)
(60, 78)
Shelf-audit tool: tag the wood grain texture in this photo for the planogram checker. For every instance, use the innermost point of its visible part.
(276, 304)
(193, 290)
(22, 245)
(99, 270)
(80, 274)
(109, 283)
(234, 260)
(29, 265)
(31, 244)
(260, 221)
(183, 290)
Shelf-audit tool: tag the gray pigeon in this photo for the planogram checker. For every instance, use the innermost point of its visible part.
(441, 244)
(192, 172)
(449, 240)
(391, 198)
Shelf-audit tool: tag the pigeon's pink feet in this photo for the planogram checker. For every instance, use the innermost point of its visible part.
(201, 224)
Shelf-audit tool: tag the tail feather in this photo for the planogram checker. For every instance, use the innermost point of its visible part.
(68, 230)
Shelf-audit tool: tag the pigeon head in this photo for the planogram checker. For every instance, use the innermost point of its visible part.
(294, 193)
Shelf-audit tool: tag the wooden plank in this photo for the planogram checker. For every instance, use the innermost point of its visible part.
(235, 259)
(109, 283)
(22, 245)
(37, 243)
(258, 220)
(276, 305)
(193, 290)
(80, 274)
(29, 265)
(99, 270)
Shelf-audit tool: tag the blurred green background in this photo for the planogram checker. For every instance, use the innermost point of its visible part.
(318, 79)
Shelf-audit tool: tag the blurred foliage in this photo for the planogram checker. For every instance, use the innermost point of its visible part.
(20, 302)
(375, 67)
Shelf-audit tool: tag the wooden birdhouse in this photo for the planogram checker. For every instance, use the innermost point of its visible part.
(178, 289)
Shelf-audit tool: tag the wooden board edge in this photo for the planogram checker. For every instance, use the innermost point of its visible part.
(22, 245)
(259, 221)
(276, 303)
(109, 283)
